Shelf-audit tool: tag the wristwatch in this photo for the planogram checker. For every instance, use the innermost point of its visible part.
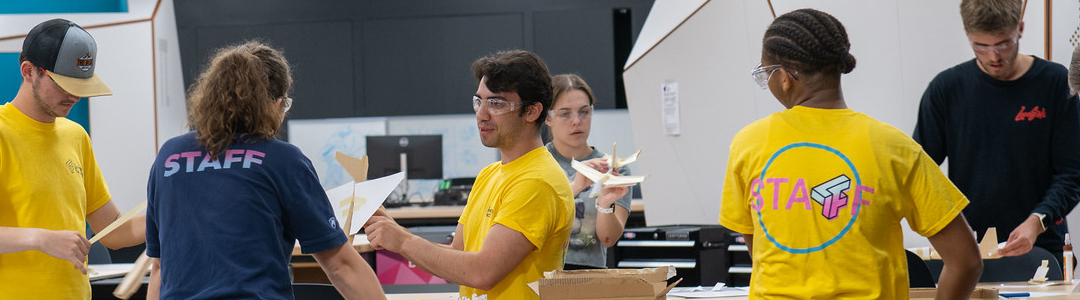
(609, 210)
(1044, 221)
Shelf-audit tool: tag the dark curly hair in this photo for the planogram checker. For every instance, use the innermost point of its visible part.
(517, 71)
(810, 42)
(236, 97)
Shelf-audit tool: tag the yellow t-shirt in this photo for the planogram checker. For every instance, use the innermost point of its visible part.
(530, 195)
(48, 179)
(823, 191)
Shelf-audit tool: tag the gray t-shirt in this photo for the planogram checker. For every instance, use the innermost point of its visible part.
(585, 248)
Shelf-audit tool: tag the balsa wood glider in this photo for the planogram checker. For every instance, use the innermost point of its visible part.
(988, 247)
(608, 179)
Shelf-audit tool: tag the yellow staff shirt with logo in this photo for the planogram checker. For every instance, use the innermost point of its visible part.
(48, 179)
(823, 191)
(530, 195)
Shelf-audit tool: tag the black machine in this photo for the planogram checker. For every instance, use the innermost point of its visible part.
(454, 191)
(698, 252)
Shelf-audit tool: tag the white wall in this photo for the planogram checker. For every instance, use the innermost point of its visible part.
(709, 56)
(123, 127)
(171, 103)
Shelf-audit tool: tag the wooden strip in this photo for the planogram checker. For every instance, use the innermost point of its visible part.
(133, 280)
(19, 36)
(116, 224)
(773, 11)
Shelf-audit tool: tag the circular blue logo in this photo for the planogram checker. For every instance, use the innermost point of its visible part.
(858, 181)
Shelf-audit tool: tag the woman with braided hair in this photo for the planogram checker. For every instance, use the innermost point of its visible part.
(819, 190)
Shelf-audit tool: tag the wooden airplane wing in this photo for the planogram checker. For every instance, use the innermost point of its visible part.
(617, 162)
(623, 181)
(588, 172)
(629, 159)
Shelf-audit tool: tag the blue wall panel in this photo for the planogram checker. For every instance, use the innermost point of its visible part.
(62, 6)
(9, 86)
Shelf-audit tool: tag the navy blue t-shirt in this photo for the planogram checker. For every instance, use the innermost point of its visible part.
(225, 228)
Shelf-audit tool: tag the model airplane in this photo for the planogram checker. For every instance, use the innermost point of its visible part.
(608, 179)
(988, 247)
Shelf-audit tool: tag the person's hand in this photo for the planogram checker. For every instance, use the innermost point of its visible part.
(64, 244)
(1022, 238)
(610, 195)
(581, 182)
(381, 212)
(384, 234)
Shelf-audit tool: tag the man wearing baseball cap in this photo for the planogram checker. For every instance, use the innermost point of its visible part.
(50, 183)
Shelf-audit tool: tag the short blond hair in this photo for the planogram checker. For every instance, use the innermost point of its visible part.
(991, 16)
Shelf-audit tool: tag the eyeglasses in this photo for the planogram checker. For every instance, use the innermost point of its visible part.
(565, 113)
(287, 101)
(495, 106)
(761, 74)
(43, 71)
(1000, 47)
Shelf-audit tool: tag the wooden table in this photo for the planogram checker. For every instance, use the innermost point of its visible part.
(454, 211)
(1062, 287)
(1010, 287)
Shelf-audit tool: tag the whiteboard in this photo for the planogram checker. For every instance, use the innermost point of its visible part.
(319, 139)
(463, 154)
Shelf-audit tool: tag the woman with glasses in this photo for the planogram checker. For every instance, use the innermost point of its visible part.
(599, 220)
(228, 202)
(819, 190)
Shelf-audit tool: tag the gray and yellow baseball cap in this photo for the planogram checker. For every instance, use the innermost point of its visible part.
(68, 53)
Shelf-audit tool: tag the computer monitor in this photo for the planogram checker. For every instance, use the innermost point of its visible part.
(420, 155)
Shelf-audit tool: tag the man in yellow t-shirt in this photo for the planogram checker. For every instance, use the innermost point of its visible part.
(51, 186)
(520, 211)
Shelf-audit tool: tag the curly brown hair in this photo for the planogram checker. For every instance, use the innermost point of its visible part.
(235, 98)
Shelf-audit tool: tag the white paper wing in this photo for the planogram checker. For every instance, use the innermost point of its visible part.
(374, 192)
(366, 196)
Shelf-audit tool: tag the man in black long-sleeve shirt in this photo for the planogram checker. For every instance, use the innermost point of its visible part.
(1010, 130)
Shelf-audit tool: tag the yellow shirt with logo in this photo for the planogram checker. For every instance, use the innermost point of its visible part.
(48, 179)
(530, 195)
(823, 191)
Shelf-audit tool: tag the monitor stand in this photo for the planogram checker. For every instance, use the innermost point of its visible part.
(404, 162)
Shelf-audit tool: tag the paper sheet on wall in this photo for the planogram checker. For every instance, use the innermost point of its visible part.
(670, 107)
(368, 196)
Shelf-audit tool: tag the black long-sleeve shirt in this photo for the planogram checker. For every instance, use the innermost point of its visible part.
(1013, 146)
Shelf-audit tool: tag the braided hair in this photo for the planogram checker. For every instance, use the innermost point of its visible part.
(810, 42)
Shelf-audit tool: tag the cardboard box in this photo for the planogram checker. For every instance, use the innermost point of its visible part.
(643, 284)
